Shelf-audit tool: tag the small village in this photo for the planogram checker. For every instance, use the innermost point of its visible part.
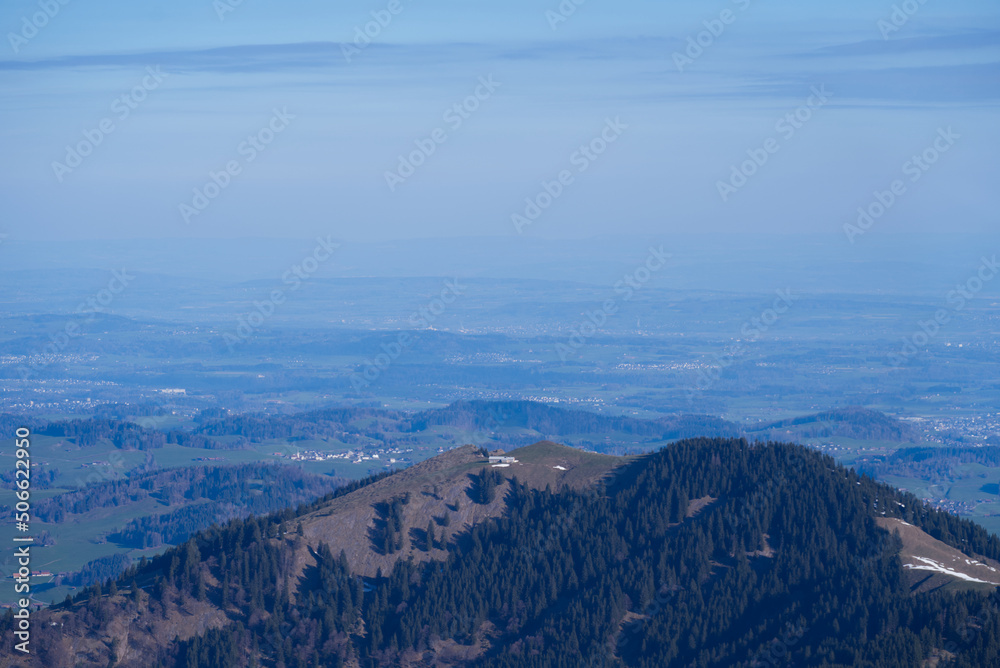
(385, 456)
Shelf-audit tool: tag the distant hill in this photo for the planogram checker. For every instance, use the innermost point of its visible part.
(854, 422)
(934, 464)
(549, 421)
(504, 423)
(709, 552)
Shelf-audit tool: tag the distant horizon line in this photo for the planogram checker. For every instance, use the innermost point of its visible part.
(713, 235)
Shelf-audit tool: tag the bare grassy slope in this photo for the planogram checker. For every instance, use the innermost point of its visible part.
(934, 565)
(440, 490)
(134, 633)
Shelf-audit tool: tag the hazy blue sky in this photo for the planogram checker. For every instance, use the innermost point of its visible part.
(354, 115)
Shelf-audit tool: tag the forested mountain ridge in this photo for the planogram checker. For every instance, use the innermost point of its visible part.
(508, 422)
(783, 562)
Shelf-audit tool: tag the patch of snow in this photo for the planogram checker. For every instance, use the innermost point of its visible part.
(561, 468)
(931, 565)
(500, 466)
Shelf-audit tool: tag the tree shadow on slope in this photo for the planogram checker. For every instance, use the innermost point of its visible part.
(386, 535)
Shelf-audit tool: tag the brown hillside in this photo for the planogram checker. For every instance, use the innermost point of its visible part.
(933, 565)
(139, 633)
(348, 523)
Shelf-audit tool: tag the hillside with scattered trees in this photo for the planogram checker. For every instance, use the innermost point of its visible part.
(710, 552)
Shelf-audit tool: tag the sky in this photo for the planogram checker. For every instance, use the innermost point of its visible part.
(198, 119)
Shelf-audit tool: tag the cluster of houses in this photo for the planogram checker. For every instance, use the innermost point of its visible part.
(36, 574)
(351, 456)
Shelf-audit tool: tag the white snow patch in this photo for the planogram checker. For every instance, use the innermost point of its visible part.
(931, 565)
(500, 466)
(561, 468)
